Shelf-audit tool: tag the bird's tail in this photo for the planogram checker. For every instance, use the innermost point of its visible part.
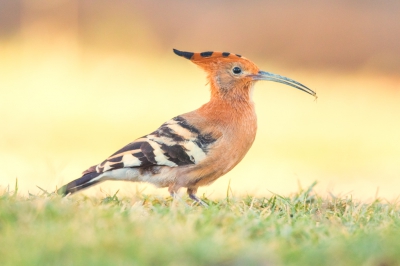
(85, 181)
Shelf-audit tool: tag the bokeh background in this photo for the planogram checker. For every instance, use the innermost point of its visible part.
(81, 78)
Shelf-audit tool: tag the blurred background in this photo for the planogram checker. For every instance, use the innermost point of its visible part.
(79, 79)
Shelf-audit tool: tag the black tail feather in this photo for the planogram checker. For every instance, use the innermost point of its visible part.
(78, 184)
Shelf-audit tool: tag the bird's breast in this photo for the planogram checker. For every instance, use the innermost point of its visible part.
(236, 142)
(234, 132)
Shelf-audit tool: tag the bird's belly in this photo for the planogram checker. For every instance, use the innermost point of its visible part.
(160, 176)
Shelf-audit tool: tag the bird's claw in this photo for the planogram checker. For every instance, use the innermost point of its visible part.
(196, 199)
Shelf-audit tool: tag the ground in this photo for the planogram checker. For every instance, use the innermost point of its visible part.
(300, 229)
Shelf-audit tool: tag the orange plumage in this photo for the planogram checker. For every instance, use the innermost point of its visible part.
(196, 148)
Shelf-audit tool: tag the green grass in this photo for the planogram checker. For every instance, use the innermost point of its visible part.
(300, 229)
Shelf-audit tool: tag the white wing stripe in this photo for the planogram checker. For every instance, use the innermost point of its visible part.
(181, 131)
(194, 151)
(129, 160)
(159, 155)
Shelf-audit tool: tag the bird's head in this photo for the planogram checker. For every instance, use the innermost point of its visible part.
(232, 75)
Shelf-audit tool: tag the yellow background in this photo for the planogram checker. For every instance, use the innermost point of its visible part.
(80, 79)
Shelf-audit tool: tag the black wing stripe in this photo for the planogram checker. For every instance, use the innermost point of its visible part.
(177, 154)
(148, 151)
(183, 123)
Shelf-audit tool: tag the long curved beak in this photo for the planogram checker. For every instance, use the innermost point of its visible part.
(262, 75)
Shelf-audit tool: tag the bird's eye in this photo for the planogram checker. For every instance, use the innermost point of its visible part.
(236, 70)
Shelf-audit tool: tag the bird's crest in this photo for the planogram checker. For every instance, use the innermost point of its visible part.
(197, 57)
(220, 66)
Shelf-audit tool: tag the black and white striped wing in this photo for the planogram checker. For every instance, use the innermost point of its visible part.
(175, 143)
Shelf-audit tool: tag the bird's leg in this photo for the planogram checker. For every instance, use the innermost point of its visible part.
(175, 195)
(192, 194)
(173, 191)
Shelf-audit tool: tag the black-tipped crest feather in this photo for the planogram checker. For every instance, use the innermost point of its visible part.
(187, 55)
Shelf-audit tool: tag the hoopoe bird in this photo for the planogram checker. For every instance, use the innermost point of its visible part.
(196, 148)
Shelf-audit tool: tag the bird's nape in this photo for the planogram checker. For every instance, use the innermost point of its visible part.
(263, 75)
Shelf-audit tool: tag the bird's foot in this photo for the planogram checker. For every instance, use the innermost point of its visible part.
(175, 196)
(196, 199)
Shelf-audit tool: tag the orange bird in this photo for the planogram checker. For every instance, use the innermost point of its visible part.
(196, 148)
